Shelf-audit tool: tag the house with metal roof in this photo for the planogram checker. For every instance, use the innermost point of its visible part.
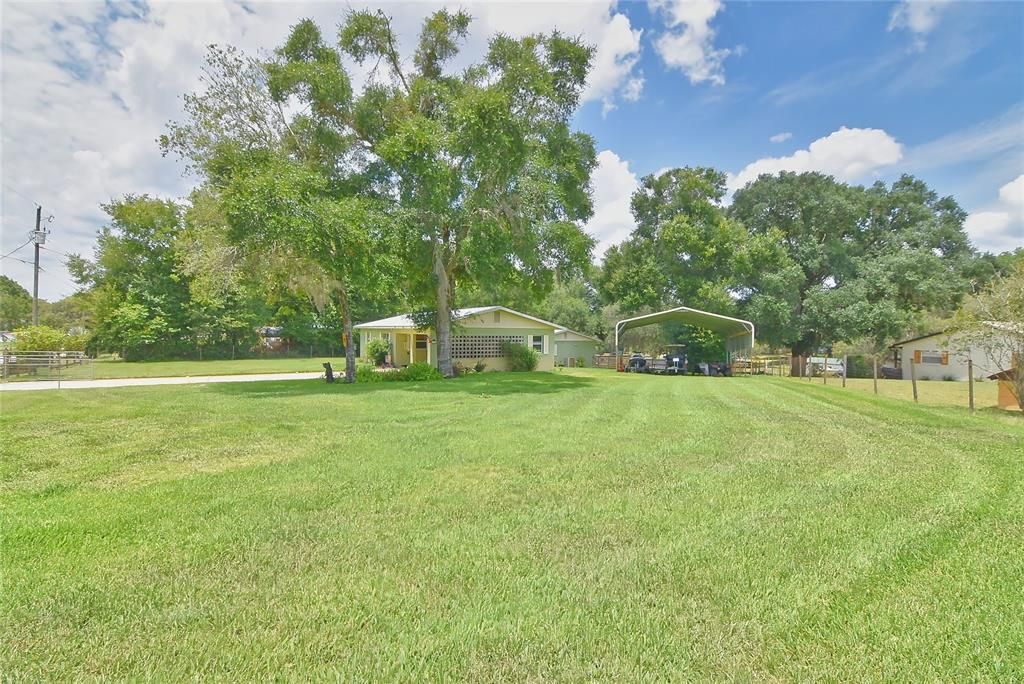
(944, 355)
(477, 336)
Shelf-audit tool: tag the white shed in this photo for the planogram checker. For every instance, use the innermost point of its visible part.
(939, 356)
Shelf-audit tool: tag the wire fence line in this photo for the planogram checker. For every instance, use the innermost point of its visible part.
(33, 366)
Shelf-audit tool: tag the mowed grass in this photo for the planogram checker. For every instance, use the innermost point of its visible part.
(931, 392)
(115, 368)
(583, 525)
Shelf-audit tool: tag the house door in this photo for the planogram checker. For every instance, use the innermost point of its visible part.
(420, 350)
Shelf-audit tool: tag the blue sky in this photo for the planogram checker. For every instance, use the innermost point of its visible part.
(862, 90)
(808, 68)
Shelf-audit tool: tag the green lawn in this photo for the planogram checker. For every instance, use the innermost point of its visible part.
(932, 392)
(506, 527)
(110, 368)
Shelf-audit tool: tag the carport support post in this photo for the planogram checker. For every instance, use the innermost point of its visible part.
(845, 366)
(913, 379)
(970, 384)
(874, 372)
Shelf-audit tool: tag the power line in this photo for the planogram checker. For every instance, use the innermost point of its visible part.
(22, 195)
(55, 251)
(17, 248)
(16, 259)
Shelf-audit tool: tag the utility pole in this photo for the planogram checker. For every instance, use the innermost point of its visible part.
(37, 237)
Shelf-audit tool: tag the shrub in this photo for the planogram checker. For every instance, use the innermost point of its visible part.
(45, 338)
(367, 373)
(414, 373)
(378, 351)
(479, 367)
(520, 357)
(417, 372)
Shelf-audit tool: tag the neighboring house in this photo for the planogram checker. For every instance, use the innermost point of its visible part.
(575, 349)
(939, 357)
(477, 335)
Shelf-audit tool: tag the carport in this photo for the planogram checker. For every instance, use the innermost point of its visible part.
(738, 333)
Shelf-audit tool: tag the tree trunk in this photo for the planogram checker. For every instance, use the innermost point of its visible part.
(444, 318)
(346, 333)
(798, 350)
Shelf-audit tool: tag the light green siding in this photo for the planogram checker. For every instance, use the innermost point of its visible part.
(565, 350)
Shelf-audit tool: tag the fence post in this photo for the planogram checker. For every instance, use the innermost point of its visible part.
(846, 367)
(913, 378)
(970, 384)
(824, 371)
(874, 372)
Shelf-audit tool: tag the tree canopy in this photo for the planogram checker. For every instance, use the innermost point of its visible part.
(15, 304)
(469, 177)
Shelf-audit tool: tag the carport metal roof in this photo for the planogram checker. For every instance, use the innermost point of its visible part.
(738, 333)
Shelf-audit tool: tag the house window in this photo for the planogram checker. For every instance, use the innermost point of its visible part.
(421, 341)
(481, 346)
(931, 357)
(537, 342)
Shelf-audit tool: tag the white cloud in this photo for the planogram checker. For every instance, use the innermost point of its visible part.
(1012, 194)
(920, 17)
(1000, 227)
(848, 154)
(689, 42)
(780, 137)
(633, 89)
(998, 136)
(87, 87)
(613, 185)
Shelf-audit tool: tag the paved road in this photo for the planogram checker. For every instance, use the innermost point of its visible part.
(140, 382)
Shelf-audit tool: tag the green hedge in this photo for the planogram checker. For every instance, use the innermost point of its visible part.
(520, 357)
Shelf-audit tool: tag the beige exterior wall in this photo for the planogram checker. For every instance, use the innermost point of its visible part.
(500, 319)
(482, 324)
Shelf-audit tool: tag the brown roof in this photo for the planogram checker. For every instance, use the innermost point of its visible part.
(915, 339)
(1002, 375)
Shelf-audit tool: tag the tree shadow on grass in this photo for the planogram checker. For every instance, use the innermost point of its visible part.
(484, 384)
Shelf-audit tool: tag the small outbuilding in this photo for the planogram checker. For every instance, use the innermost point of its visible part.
(1005, 398)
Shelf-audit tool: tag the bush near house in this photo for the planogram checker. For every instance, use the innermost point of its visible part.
(378, 351)
(520, 357)
(416, 372)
